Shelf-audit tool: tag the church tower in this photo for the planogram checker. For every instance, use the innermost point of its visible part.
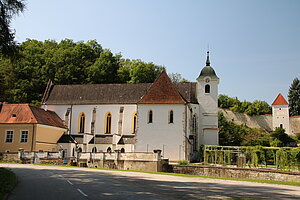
(280, 114)
(207, 95)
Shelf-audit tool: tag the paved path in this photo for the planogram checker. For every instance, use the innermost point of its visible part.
(44, 182)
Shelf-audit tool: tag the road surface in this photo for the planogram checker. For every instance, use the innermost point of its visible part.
(47, 182)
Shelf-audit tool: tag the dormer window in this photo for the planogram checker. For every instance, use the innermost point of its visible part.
(13, 115)
(207, 89)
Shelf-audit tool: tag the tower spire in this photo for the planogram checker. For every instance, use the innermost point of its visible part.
(207, 59)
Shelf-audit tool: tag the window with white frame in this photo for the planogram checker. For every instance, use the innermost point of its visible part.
(9, 136)
(24, 136)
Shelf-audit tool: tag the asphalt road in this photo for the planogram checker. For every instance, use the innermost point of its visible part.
(44, 182)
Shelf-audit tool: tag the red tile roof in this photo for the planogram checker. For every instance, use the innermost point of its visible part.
(280, 100)
(162, 91)
(27, 114)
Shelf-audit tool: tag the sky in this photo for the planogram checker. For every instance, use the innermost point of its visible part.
(254, 45)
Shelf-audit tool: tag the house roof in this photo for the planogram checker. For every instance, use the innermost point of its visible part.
(119, 93)
(280, 100)
(71, 139)
(27, 114)
(162, 91)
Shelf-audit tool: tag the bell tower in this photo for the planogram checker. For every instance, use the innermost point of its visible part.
(207, 95)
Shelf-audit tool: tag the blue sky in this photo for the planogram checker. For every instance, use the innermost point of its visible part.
(254, 44)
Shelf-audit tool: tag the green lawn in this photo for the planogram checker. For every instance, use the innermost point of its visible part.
(8, 180)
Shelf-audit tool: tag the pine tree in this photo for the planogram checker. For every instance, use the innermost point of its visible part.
(294, 97)
(8, 9)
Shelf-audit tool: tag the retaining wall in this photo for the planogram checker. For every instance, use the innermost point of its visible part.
(241, 173)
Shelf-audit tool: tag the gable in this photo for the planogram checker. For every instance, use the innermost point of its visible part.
(280, 100)
(162, 91)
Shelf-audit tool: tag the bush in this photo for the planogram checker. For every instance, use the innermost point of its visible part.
(8, 181)
(183, 162)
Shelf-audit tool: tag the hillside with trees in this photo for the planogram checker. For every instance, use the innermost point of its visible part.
(231, 134)
(234, 104)
(24, 78)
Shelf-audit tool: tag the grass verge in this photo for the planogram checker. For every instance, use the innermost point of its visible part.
(8, 180)
(292, 183)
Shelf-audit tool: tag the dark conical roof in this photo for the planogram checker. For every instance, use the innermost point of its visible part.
(208, 70)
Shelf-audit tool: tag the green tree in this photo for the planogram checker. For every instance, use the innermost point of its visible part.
(8, 9)
(294, 97)
(280, 138)
(138, 71)
(105, 69)
(177, 78)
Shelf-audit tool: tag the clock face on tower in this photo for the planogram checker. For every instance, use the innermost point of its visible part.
(207, 80)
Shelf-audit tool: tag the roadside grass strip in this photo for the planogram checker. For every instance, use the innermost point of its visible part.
(292, 183)
(8, 180)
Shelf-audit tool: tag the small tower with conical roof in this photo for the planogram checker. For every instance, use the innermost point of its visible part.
(207, 95)
(280, 113)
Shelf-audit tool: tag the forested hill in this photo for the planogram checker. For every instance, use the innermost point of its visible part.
(24, 79)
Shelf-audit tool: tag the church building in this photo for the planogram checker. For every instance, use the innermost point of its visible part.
(175, 118)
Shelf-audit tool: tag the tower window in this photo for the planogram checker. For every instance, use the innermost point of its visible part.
(207, 88)
(281, 126)
(171, 117)
(150, 117)
(81, 123)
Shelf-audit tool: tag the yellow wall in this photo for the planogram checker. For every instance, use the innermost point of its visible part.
(47, 137)
(44, 137)
(16, 144)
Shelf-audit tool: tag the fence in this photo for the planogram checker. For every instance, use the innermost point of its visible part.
(257, 156)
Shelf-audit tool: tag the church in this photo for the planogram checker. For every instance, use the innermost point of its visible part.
(175, 118)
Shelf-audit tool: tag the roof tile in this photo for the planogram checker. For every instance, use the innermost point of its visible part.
(162, 91)
(280, 100)
(26, 114)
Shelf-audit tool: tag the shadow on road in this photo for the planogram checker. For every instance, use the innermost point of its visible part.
(99, 184)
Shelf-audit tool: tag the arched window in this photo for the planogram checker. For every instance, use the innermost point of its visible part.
(122, 150)
(94, 150)
(108, 150)
(194, 123)
(171, 117)
(207, 88)
(150, 117)
(107, 126)
(81, 123)
(134, 121)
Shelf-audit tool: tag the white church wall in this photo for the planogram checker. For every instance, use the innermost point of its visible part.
(101, 111)
(161, 134)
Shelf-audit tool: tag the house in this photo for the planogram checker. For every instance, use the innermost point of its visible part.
(173, 117)
(28, 127)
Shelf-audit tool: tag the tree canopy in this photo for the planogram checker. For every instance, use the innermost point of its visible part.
(294, 97)
(8, 9)
(255, 108)
(67, 62)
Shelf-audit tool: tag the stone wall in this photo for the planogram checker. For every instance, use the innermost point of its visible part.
(259, 121)
(241, 173)
(9, 157)
(295, 124)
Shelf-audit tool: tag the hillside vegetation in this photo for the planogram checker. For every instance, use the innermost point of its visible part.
(24, 78)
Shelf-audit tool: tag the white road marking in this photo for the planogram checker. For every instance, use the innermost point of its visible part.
(70, 182)
(79, 190)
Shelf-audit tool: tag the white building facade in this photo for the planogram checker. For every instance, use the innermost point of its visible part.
(173, 117)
